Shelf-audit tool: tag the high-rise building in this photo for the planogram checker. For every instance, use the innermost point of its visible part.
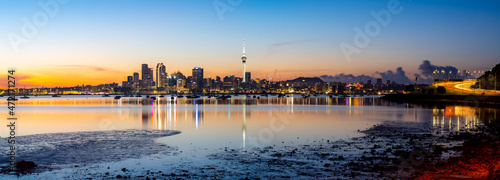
(180, 84)
(144, 71)
(146, 76)
(130, 81)
(248, 77)
(379, 81)
(197, 82)
(151, 82)
(244, 61)
(136, 80)
(161, 76)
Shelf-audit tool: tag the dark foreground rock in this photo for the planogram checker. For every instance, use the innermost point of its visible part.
(480, 157)
(25, 164)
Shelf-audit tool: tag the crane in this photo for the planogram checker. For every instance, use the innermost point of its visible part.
(275, 73)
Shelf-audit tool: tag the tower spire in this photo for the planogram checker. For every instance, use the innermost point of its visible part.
(244, 47)
(244, 60)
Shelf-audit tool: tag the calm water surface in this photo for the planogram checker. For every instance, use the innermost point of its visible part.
(238, 122)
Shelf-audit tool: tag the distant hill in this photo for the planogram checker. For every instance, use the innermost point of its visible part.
(306, 80)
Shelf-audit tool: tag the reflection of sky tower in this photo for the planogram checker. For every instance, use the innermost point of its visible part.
(244, 128)
(244, 61)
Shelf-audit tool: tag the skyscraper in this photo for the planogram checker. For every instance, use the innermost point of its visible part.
(244, 61)
(144, 76)
(130, 81)
(136, 80)
(144, 71)
(147, 76)
(161, 76)
(248, 77)
(151, 83)
(197, 83)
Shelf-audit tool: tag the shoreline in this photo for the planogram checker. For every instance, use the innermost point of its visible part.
(465, 100)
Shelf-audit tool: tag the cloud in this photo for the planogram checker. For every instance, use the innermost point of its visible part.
(93, 68)
(425, 76)
(19, 81)
(272, 47)
(426, 68)
(427, 72)
(399, 76)
(292, 42)
(349, 78)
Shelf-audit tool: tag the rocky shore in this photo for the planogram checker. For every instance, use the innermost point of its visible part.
(480, 157)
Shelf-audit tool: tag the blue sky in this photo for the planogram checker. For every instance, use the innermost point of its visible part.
(297, 37)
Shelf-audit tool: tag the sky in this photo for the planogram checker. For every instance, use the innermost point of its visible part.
(66, 43)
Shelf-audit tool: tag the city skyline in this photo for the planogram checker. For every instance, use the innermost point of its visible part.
(101, 43)
(250, 89)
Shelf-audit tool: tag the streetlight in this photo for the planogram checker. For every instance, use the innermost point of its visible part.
(434, 74)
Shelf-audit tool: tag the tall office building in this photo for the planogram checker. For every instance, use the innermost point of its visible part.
(144, 71)
(151, 82)
(248, 77)
(161, 76)
(130, 81)
(147, 76)
(244, 61)
(197, 83)
(136, 80)
(144, 75)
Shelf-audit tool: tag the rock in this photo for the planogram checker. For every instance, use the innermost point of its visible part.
(25, 164)
(494, 172)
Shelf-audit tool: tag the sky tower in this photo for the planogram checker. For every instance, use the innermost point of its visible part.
(244, 60)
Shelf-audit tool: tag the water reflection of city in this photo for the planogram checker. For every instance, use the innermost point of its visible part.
(127, 101)
(347, 101)
(461, 118)
(163, 114)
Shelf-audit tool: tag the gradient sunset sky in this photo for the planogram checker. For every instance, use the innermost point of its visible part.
(103, 41)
